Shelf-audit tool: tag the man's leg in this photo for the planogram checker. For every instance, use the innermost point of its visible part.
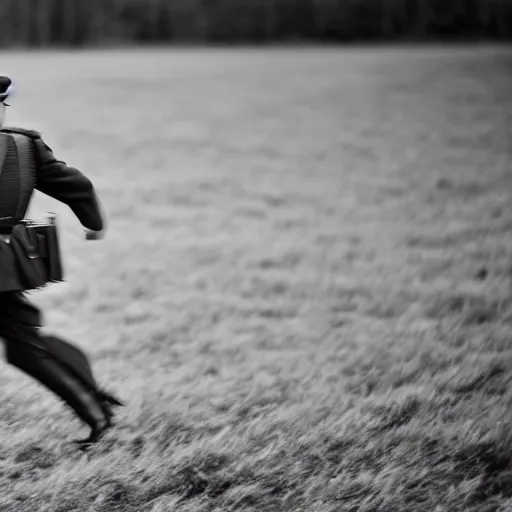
(51, 374)
(27, 350)
(76, 361)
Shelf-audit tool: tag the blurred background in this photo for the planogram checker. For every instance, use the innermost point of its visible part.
(37, 23)
(304, 294)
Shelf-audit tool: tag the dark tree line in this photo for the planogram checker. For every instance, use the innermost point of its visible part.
(80, 22)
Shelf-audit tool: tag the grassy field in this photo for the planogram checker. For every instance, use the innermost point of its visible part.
(305, 291)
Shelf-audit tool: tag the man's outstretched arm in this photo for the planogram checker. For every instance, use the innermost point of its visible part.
(68, 185)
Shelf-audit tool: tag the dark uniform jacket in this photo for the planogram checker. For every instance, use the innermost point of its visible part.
(52, 177)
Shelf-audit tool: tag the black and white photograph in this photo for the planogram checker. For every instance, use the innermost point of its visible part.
(256, 255)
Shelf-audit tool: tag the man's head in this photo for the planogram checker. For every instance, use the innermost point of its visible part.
(5, 91)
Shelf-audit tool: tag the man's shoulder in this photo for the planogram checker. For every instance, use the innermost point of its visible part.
(33, 134)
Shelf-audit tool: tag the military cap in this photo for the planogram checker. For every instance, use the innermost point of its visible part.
(5, 88)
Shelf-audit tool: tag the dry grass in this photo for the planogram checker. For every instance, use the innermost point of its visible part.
(305, 291)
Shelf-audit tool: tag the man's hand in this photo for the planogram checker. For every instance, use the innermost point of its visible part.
(90, 234)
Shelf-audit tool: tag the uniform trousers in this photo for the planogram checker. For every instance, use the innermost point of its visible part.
(57, 364)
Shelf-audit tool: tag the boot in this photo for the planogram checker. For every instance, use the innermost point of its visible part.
(107, 401)
(56, 378)
(108, 397)
(77, 362)
(97, 432)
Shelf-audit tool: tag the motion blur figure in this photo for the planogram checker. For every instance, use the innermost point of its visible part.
(56, 363)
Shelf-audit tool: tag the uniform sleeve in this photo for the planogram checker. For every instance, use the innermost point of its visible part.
(69, 186)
